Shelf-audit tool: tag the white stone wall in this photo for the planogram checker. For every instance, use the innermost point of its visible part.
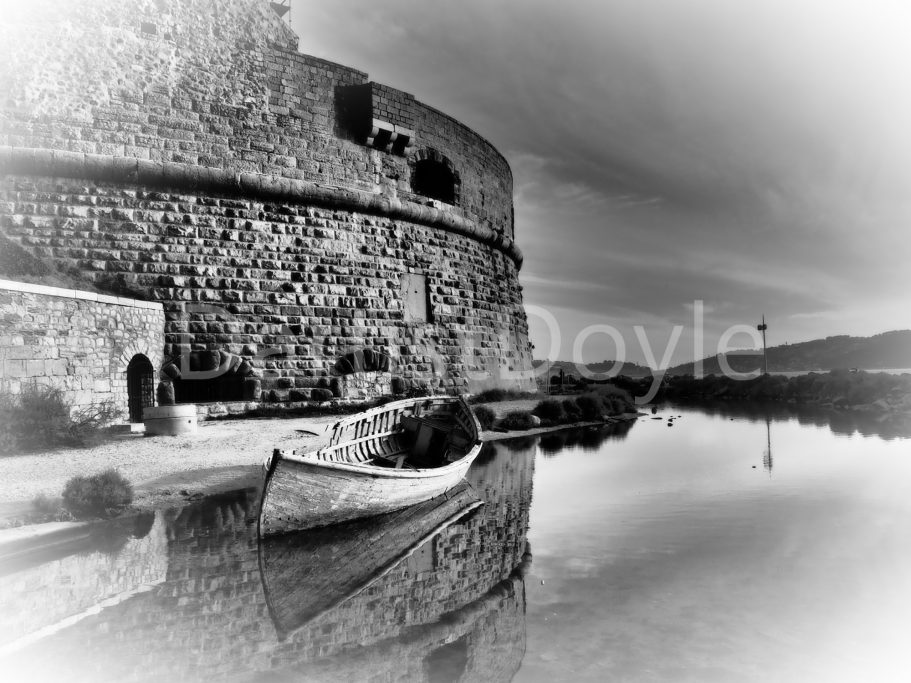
(79, 342)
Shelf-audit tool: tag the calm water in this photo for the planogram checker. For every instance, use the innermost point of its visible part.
(727, 547)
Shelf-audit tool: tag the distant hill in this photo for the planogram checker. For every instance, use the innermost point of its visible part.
(886, 350)
(572, 370)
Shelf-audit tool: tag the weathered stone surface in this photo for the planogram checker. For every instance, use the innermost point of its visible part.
(252, 389)
(82, 346)
(233, 188)
(320, 395)
(165, 393)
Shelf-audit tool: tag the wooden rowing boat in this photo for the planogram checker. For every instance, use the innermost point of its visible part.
(307, 574)
(378, 461)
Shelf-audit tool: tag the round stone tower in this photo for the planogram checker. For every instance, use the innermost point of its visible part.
(311, 234)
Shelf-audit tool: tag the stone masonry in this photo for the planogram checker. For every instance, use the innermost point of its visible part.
(275, 204)
(79, 342)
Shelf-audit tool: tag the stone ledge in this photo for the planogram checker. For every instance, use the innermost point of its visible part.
(28, 288)
(127, 170)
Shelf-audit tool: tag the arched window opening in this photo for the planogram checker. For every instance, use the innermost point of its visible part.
(208, 376)
(434, 179)
(140, 386)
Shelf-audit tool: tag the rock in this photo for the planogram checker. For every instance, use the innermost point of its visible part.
(165, 394)
(170, 371)
(321, 395)
(252, 389)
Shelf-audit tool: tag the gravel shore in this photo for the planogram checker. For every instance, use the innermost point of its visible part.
(160, 466)
(166, 470)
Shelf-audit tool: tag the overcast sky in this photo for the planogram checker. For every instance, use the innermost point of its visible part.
(755, 155)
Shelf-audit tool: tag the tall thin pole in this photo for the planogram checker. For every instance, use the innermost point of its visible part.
(767, 458)
(765, 361)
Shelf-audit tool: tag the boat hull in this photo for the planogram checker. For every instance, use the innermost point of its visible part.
(302, 493)
(381, 460)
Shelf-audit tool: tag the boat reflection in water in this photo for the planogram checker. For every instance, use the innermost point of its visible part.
(306, 574)
(437, 595)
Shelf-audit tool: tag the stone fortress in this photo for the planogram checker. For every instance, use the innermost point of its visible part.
(238, 223)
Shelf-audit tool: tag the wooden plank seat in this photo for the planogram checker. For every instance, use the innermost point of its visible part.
(428, 433)
(396, 461)
(413, 423)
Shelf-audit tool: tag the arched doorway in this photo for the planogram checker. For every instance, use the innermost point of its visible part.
(140, 386)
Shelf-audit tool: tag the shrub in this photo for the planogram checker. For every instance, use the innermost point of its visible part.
(99, 495)
(87, 424)
(496, 395)
(615, 398)
(590, 407)
(571, 409)
(518, 420)
(550, 410)
(40, 418)
(485, 416)
(614, 405)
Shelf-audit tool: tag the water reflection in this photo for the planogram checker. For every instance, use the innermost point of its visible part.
(588, 439)
(191, 605)
(671, 555)
(307, 574)
(845, 423)
(767, 454)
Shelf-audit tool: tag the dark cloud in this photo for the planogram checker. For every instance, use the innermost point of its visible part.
(752, 155)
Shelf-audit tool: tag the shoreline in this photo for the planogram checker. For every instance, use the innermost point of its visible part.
(224, 455)
(168, 471)
(227, 455)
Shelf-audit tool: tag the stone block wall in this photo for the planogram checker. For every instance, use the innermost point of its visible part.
(188, 150)
(79, 342)
(214, 83)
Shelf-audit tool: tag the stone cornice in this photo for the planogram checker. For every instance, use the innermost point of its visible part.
(29, 288)
(187, 177)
